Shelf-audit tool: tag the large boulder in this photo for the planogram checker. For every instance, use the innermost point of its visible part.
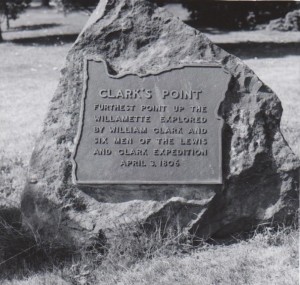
(260, 171)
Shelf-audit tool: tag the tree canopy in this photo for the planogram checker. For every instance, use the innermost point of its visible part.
(233, 14)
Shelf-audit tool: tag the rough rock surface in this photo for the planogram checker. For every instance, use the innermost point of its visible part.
(259, 169)
(291, 22)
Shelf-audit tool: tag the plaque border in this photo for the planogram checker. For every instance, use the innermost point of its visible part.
(82, 112)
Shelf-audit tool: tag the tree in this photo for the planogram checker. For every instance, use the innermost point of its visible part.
(70, 5)
(10, 10)
(235, 14)
(1, 39)
(45, 3)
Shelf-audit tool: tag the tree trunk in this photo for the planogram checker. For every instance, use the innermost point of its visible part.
(46, 3)
(1, 39)
(7, 23)
(6, 14)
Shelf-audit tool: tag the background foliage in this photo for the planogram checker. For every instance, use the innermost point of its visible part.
(234, 14)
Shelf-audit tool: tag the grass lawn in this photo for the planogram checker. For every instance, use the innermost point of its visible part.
(254, 262)
(264, 259)
(31, 58)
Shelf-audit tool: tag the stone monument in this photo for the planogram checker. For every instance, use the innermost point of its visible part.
(155, 129)
(152, 121)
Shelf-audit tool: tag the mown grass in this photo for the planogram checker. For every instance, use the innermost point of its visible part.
(28, 77)
(141, 259)
(283, 76)
(250, 261)
(247, 262)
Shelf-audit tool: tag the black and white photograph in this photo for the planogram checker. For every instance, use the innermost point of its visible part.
(149, 142)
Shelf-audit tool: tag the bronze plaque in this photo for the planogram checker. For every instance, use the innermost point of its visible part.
(155, 129)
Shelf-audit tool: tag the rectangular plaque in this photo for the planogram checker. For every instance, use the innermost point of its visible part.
(155, 129)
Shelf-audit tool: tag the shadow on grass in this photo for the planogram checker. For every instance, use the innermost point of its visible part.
(248, 50)
(244, 50)
(32, 27)
(46, 40)
(209, 30)
(22, 252)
